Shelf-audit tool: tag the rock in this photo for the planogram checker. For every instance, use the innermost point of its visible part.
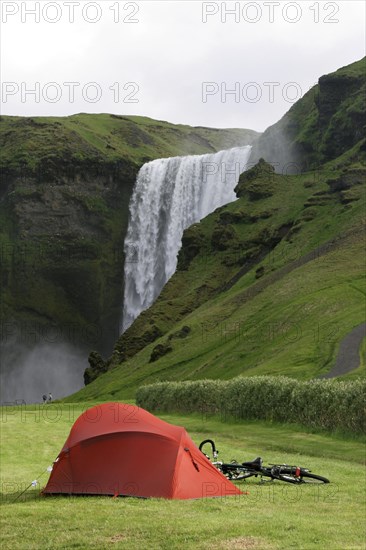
(192, 242)
(182, 333)
(222, 237)
(97, 367)
(129, 345)
(309, 214)
(228, 217)
(348, 179)
(159, 351)
(256, 183)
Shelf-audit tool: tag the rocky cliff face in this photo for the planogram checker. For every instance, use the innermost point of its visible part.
(64, 197)
(329, 120)
(62, 258)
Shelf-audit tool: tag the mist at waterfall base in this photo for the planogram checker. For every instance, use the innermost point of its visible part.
(29, 372)
(170, 195)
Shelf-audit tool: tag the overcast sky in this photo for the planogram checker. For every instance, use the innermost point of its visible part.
(173, 60)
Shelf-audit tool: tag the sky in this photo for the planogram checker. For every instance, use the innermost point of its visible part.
(217, 64)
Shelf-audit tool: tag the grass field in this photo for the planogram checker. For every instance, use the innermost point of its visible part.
(272, 515)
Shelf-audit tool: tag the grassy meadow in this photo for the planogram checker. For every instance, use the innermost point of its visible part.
(269, 284)
(273, 515)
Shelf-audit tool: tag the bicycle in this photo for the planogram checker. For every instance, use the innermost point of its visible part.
(236, 471)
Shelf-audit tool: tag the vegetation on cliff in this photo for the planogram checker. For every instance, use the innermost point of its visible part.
(329, 120)
(271, 283)
(64, 196)
(277, 299)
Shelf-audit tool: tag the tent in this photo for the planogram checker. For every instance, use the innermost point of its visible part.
(120, 449)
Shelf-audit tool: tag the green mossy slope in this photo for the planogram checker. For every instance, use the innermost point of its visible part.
(271, 283)
(273, 295)
(329, 120)
(65, 190)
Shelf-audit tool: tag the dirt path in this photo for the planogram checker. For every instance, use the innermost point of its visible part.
(348, 357)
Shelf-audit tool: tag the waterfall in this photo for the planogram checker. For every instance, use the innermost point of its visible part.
(170, 195)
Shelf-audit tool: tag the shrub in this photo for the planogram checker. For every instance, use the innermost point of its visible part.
(326, 404)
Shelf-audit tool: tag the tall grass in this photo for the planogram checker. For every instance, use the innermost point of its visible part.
(326, 404)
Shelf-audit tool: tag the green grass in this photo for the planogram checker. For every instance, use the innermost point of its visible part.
(360, 372)
(274, 515)
(289, 322)
(323, 124)
(105, 138)
(79, 172)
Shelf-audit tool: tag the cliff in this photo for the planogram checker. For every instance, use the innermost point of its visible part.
(327, 121)
(65, 190)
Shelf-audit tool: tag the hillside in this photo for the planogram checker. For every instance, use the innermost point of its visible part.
(65, 190)
(271, 297)
(46, 146)
(271, 283)
(329, 120)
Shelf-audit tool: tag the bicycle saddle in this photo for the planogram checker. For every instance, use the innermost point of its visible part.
(254, 464)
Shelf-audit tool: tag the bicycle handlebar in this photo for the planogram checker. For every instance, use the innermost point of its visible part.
(215, 452)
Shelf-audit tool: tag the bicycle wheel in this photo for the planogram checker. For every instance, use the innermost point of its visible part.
(304, 477)
(242, 475)
(235, 473)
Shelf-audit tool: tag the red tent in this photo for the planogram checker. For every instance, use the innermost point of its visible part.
(118, 449)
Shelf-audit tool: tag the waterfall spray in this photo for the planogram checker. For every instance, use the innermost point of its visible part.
(170, 195)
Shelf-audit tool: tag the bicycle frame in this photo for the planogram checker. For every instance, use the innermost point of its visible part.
(282, 472)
